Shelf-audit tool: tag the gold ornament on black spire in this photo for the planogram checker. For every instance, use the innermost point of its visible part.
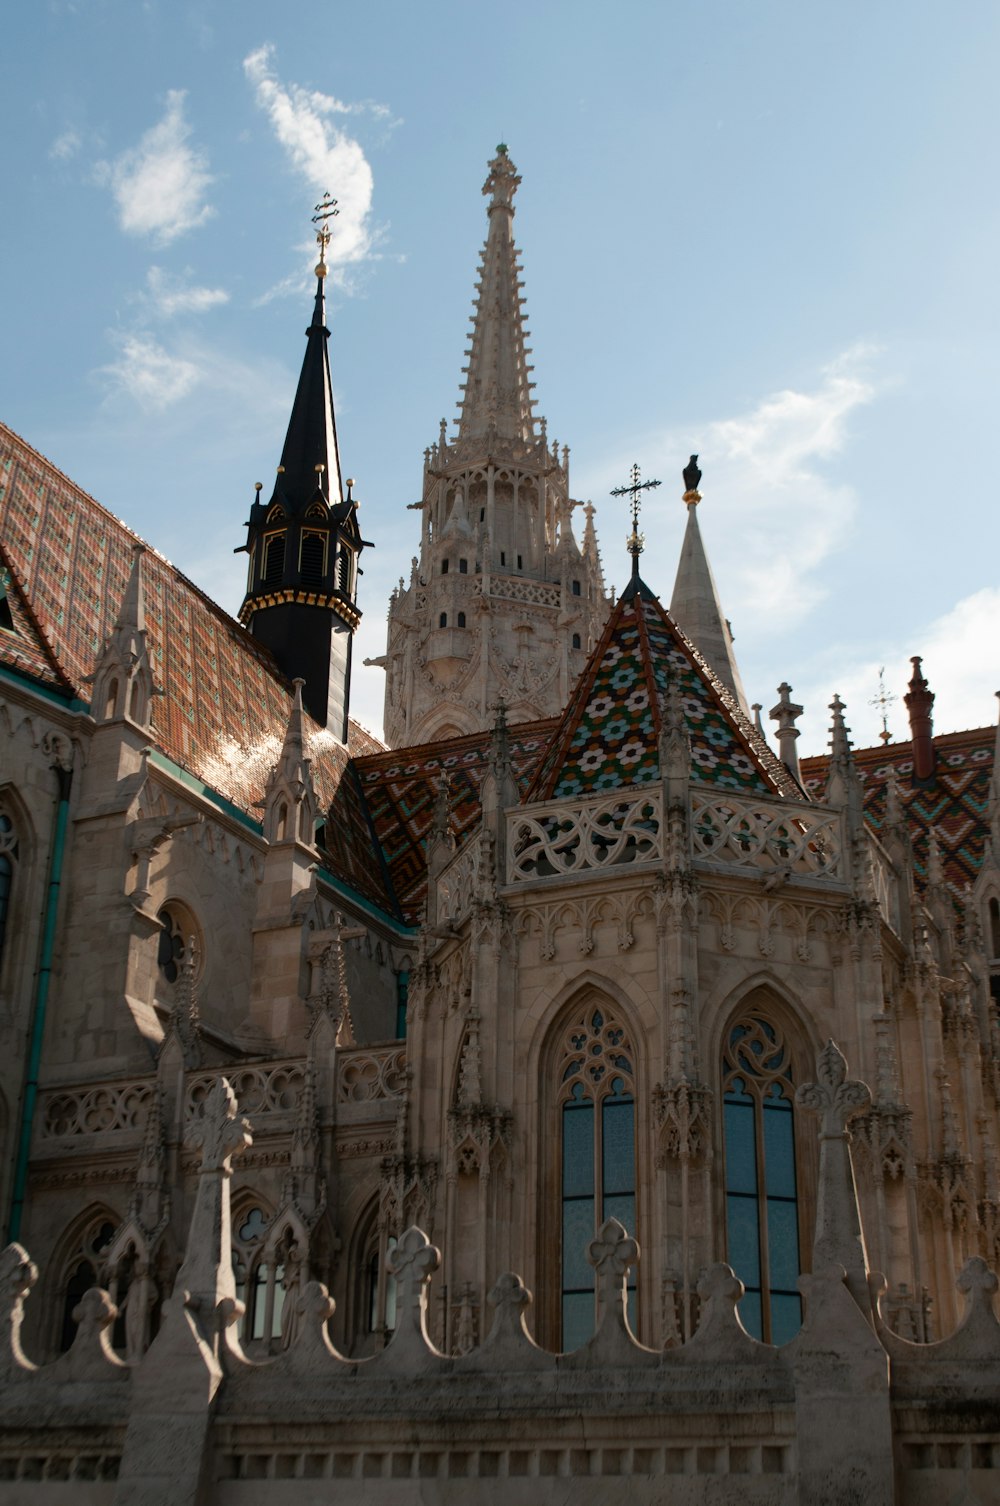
(633, 491)
(325, 211)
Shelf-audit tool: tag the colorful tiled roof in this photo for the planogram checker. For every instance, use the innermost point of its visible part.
(401, 786)
(225, 705)
(609, 734)
(953, 803)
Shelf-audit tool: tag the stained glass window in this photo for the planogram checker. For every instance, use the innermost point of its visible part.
(597, 1115)
(762, 1220)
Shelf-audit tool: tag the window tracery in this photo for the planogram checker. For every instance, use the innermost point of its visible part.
(260, 1282)
(178, 932)
(82, 1267)
(596, 1105)
(762, 1198)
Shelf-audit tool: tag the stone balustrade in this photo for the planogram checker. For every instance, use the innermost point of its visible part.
(95, 1109)
(367, 1073)
(546, 841)
(802, 840)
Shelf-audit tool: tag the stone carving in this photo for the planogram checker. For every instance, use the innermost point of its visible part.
(103, 1109)
(803, 839)
(273, 1089)
(218, 1131)
(364, 1075)
(838, 1240)
(544, 841)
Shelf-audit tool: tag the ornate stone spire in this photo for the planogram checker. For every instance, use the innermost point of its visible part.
(695, 604)
(496, 395)
(123, 677)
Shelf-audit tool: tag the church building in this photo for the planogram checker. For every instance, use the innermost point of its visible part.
(572, 1094)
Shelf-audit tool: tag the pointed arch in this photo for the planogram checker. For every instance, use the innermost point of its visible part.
(77, 1264)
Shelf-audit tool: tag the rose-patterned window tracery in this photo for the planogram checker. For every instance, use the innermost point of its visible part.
(762, 1220)
(597, 1123)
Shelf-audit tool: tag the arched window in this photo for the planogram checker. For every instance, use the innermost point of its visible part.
(576, 640)
(444, 567)
(8, 857)
(762, 1215)
(82, 1272)
(312, 559)
(260, 1284)
(443, 620)
(178, 929)
(596, 1103)
(461, 619)
(463, 567)
(274, 559)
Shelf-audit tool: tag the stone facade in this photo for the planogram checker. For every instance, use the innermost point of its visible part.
(462, 1119)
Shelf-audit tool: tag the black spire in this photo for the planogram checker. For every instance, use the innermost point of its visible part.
(305, 541)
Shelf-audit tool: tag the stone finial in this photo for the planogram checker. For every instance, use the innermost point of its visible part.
(786, 713)
(720, 1332)
(979, 1332)
(311, 1352)
(840, 743)
(91, 1356)
(919, 701)
(412, 1262)
(18, 1274)
(839, 1239)
(470, 1085)
(612, 1254)
(508, 1343)
(218, 1132)
(335, 999)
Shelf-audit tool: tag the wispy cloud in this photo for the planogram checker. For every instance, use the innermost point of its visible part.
(172, 296)
(65, 145)
(160, 185)
(150, 375)
(304, 121)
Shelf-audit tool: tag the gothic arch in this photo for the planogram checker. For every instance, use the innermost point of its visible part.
(76, 1265)
(19, 854)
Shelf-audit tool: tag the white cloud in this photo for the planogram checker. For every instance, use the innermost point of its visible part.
(160, 185)
(325, 156)
(65, 146)
(152, 376)
(172, 296)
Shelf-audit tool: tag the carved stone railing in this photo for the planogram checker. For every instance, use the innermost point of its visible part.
(97, 1109)
(804, 840)
(456, 884)
(515, 588)
(605, 831)
(269, 1088)
(367, 1073)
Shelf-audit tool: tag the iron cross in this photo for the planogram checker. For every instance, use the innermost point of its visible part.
(633, 490)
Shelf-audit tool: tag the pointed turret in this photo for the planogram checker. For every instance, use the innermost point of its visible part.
(695, 605)
(503, 604)
(123, 678)
(497, 401)
(304, 544)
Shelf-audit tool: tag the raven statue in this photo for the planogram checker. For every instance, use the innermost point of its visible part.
(692, 475)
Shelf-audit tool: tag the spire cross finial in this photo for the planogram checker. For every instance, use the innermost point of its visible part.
(883, 701)
(325, 211)
(633, 490)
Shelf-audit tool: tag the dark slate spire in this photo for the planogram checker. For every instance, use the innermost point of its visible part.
(304, 543)
(311, 439)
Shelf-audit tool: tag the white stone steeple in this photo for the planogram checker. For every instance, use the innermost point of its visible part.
(695, 605)
(503, 604)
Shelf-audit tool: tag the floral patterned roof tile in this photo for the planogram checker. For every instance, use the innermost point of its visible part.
(609, 733)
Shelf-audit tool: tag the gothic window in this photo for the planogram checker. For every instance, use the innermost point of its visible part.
(576, 588)
(443, 620)
(274, 559)
(178, 930)
(8, 857)
(380, 1294)
(344, 571)
(444, 567)
(463, 567)
(461, 619)
(82, 1269)
(597, 1138)
(762, 1220)
(312, 558)
(576, 640)
(260, 1283)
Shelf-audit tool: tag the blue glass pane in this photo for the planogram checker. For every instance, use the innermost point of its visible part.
(622, 1208)
(741, 1148)
(742, 1238)
(750, 1315)
(782, 1245)
(619, 1146)
(578, 1149)
(577, 1319)
(578, 1231)
(779, 1153)
(630, 1302)
(786, 1317)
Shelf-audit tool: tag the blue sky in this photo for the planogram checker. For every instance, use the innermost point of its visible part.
(767, 232)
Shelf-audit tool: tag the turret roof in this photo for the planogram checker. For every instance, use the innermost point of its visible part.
(311, 439)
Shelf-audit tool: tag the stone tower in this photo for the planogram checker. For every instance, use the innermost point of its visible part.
(503, 603)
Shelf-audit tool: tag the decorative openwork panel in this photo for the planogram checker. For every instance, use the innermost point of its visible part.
(456, 884)
(273, 1089)
(550, 840)
(97, 1110)
(364, 1074)
(805, 839)
(882, 879)
(533, 591)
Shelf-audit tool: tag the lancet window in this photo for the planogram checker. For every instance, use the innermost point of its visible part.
(81, 1272)
(762, 1199)
(260, 1283)
(596, 1105)
(8, 857)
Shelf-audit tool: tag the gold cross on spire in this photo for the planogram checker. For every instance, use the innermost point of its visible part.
(883, 701)
(325, 211)
(633, 490)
